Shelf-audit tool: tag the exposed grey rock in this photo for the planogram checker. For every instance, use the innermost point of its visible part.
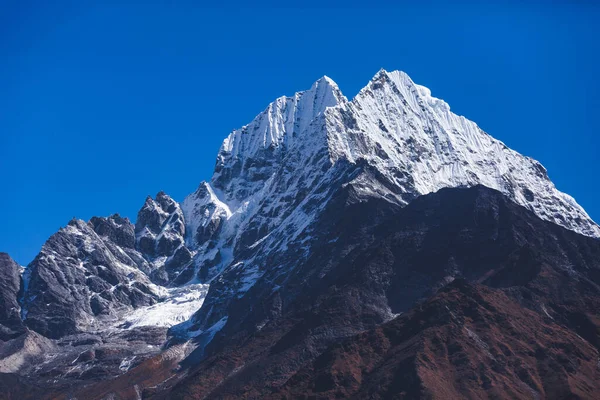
(160, 237)
(80, 276)
(115, 228)
(10, 289)
(24, 351)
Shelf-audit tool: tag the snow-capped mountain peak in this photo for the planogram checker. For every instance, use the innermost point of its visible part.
(420, 146)
(409, 140)
(394, 141)
(253, 152)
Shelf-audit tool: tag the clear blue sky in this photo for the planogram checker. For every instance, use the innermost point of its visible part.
(101, 105)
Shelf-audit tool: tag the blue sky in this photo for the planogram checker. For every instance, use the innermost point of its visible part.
(103, 104)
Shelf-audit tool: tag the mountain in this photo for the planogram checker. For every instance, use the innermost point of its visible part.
(456, 345)
(326, 222)
(275, 177)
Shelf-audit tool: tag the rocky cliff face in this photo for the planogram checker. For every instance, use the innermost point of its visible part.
(11, 287)
(160, 236)
(88, 276)
(82, 278)
(97, 290)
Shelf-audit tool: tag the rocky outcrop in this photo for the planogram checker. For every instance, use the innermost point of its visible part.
(11, 287)
(89, 305)
(159, 226)
(88, 275)
(115, 229)
(160, 236)
(25, 351)
(82, 278)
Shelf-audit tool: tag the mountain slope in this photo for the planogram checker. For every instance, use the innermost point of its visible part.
(467, 342)
(392, 258)
(274, 180)
(81, 277)
(10, 291)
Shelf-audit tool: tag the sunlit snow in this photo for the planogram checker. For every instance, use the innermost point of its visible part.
(178, 306)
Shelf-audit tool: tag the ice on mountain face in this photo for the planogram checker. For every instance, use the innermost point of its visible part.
(176, 307)
(256, 163)
(204, 212)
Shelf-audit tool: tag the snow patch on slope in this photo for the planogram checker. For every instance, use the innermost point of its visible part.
(177, 306)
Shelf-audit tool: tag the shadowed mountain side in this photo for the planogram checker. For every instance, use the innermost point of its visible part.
(375, 270)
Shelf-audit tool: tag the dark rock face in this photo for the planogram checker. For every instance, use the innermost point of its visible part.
(468, 341)
(384, 261)
(250, 170)
(156, 214)
(10, 290)
(115, 228)
(82, 276)
(160, 237)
